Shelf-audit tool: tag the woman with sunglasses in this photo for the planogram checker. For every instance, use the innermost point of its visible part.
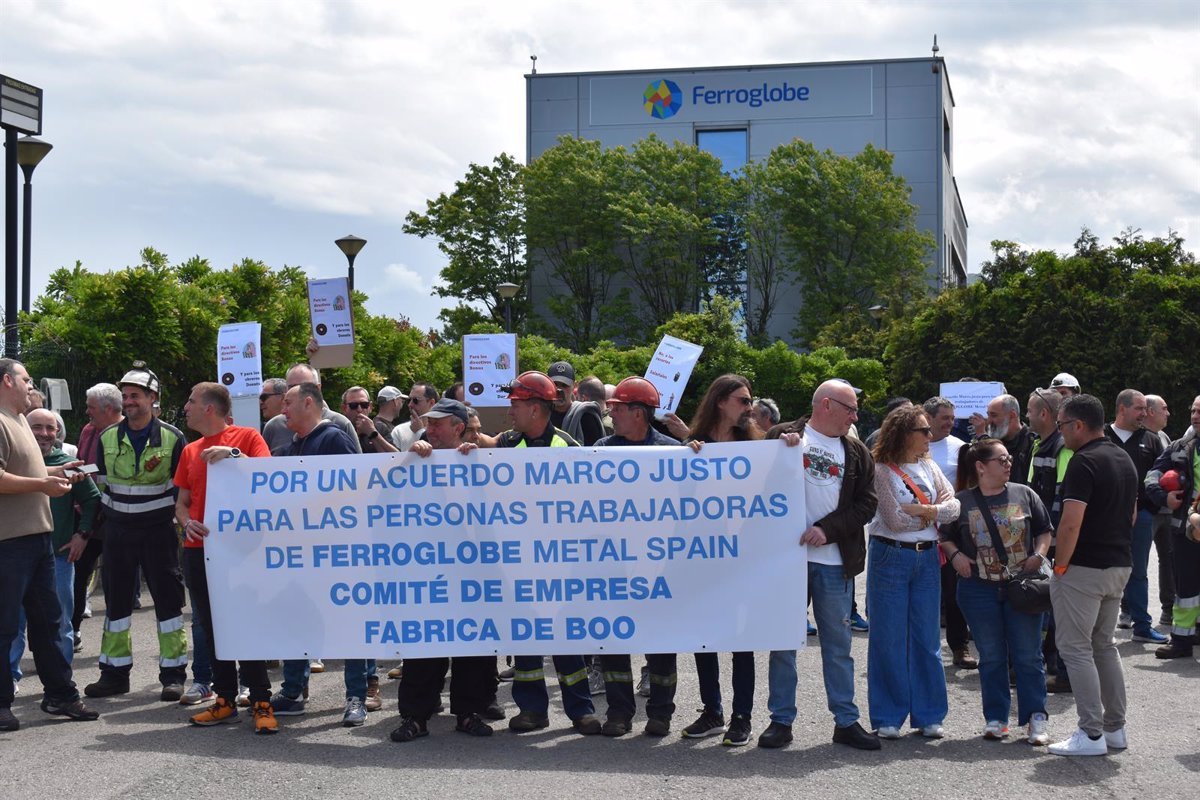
(905, 679)
(724, 416)
(1002, 634)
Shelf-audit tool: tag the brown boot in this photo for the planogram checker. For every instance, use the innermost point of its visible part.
(963, 659)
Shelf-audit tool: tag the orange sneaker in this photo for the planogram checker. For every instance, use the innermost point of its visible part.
(222, 711)
(264, 719)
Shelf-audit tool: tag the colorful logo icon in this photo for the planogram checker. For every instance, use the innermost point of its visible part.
(662, 99)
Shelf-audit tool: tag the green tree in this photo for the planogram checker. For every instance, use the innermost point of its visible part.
(480, 227)
(668, 206)
(850, 232)
(1113, 316)
(572, 234)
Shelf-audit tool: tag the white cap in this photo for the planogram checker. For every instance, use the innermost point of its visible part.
(1066, 380)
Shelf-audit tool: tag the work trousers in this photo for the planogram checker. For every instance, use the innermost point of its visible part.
(472, 685)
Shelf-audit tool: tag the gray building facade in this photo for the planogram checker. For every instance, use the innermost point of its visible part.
(904, 106)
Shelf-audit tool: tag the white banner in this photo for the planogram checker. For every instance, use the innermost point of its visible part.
(239, 358)
(489, 362)
(971, 397)
(670, 369)
(332, 321)
(522, 551)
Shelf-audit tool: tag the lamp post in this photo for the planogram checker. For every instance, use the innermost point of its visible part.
(30, 152)
(351, 245)
(508, 291)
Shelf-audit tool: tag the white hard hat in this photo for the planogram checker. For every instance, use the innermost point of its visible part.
(141, 377)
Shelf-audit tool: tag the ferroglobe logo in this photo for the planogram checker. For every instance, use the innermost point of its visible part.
(662, 99)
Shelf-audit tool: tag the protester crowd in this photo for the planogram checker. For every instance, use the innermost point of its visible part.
(1030, 540)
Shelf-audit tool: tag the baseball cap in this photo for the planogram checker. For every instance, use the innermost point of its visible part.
(562, 372)
(390, 393)
(843, 380)
(1066, 380)
(447, 408)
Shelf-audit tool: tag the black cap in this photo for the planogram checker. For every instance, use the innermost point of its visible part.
(562, 372)
(447, 408)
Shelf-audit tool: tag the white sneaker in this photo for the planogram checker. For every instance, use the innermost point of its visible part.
(1116, 739)
(995, 730)
(243, 696)
(196, 694)
(1038, 734)
(1080, 745)
(1124, 621)
(16, 688)
(934, 731)
(888, 732)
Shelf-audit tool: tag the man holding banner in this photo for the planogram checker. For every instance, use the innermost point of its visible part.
(632, 409)
(206, 410)
(840, 499)
(473, 682)
(531, 397)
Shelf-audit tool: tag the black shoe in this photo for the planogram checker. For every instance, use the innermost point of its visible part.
(1167, 619)
(494, 711)
(1058, 685)
(473, 725)
(171, 693)
(8, 722)
(409, 729)
(74, 710)
(506, 675)
(776, 735)
(854, 736)
(709, 723)
(587, 725)
(617, 725)
(1174, 649)
(107, 686)
(964, 660)
(738, 733)
(528, 721)
(658, 726)
(78, 642)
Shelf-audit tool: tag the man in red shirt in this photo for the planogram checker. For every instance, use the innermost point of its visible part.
(206, 410)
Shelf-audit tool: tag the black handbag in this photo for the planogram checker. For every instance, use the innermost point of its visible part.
(1026, 592)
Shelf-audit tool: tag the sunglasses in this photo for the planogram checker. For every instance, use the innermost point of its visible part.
(359, 406)
(746, 401)
(1006, 460)
(928, 431)
(264, 397)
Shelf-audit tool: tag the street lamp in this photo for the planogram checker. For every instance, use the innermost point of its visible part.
(508, 291)
(30, 152)
(351, 245)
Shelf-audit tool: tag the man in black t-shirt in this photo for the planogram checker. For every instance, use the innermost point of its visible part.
(1094, 560)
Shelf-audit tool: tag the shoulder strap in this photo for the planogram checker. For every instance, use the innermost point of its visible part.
(921, 497)
(990, 521)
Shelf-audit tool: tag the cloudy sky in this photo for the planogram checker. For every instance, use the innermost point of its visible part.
(269, 128)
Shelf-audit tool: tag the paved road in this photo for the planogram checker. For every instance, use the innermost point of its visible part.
(142, 748)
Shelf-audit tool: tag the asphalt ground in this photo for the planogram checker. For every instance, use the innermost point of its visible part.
(144, 748)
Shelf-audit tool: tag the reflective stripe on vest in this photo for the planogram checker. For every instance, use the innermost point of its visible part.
(556, 441)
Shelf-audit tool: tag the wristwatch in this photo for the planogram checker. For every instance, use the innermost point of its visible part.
(235, 453)
(374, 435)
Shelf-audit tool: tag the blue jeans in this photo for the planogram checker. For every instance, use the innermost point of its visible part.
(27, 581)
(905, 679)
(832, 601)
(708, 674)
(1137, 592)
(64, 587)
(1003, 635)
(202, 656)
(295, 677)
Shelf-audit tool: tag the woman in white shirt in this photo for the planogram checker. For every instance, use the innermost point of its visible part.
(905, 680)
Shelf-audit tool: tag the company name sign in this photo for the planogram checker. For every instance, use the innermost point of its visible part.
(709, 96)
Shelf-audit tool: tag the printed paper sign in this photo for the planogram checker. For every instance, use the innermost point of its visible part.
(971, 397)
(239, 358)
(489, 362)
(520, 551)
(670, 369)
(332, 322)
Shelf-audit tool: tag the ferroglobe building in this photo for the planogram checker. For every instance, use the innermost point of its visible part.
(904, 106)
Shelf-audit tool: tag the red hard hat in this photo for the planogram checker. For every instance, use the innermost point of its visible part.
(636, 390)
(531, 386)
(1170, 481)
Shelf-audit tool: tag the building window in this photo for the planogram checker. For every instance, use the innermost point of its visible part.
(946, 138)
(730, 146)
